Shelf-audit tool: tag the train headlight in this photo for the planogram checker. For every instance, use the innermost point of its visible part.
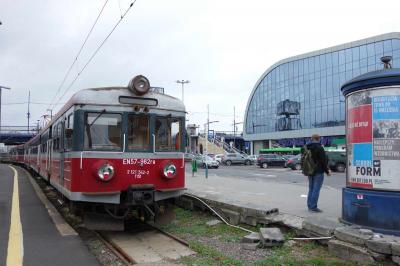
(106, 172)
(169, 170)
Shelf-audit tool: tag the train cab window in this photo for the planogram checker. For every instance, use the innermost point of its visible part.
(167, 133)
(102, 131)
(138, 132)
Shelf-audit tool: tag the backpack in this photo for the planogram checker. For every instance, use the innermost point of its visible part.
(307, 163)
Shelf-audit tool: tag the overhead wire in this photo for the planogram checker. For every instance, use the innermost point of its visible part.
(78, 54)
(95, 52)
(16, 103)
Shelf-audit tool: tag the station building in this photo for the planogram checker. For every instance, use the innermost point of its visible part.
(300, 96)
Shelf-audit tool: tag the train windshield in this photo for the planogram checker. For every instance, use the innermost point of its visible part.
(167, 134)
(138, 132)
(103, 131)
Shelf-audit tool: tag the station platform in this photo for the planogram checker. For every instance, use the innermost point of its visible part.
(29, 235)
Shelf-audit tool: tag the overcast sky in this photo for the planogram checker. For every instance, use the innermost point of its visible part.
(221, 46)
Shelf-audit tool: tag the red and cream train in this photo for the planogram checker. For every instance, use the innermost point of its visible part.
(118, 148)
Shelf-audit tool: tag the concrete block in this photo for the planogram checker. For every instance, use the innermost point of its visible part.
(251, 238)
(232, 216)
(249, 246)
(271, 237)
(378, 257)
(321, 226)
(213, 222)
(253, 221)
(396, 259)
(352, 235)
(396, 248)
(380, 245)
(347, 251)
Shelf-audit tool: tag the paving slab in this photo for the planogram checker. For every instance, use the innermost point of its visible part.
(383, 243)
(353, 235)
(321, 226)
(254, 237)
(396, 248)
(271, 236)
(396, 259)
(347, 251)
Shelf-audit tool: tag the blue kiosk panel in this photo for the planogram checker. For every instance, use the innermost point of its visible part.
(378, 210)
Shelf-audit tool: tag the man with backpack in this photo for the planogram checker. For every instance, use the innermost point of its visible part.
(314, 164)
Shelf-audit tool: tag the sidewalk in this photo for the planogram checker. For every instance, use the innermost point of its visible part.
(288, 198)
(43, 243)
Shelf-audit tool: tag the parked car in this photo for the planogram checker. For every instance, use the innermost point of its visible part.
(294, 163)
(212, 155)
(219, 157)
(267, 160)
(253, 158)
(337, 161)
(236, 158)
(204, 160)
(189, 157)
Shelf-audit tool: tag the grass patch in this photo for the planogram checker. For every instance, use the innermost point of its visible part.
(307, 254)
(191, 225)
(194, 223)
(207, 255)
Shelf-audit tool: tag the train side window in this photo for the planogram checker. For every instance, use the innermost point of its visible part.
(167, 132)
(56, 137)
(69, 127)
(176, 133)
(138, 132)
(102, 131)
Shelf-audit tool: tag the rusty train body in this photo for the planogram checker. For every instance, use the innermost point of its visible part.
(117, 147)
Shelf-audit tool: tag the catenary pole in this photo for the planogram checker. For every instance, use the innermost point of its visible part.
(1, 88)
(28, 114)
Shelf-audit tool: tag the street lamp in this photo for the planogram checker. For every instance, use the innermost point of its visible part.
(2, 87)
(182, 82)
(51, 113)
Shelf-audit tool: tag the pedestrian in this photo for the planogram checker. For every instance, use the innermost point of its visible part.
(314, 164)
(194, 166)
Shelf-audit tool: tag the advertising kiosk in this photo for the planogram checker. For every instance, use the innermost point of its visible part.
(372, 194)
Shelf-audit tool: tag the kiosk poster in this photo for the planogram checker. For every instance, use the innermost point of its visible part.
(373, 137)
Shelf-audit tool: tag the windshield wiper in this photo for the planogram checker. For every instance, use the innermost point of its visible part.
(97, 117)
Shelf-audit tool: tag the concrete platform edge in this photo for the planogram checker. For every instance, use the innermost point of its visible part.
(62, 226)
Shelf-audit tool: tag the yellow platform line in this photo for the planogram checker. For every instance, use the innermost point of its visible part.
(15, 251)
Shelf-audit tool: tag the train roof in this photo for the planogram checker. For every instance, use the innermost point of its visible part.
(110, 96)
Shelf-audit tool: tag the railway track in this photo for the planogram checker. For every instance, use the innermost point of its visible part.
(145, 244)
(140, 244)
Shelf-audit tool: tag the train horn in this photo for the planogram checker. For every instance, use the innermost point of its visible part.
(139, 85)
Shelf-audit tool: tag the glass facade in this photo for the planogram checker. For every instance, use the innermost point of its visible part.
(305, 93)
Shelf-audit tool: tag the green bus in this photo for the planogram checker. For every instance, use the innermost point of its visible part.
(281, 150)
(294, 151)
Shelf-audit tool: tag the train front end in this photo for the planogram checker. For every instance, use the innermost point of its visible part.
(127, 150)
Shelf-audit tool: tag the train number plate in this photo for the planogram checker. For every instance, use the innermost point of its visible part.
(136, 161)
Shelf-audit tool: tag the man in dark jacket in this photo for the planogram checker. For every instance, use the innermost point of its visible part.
(315, 182)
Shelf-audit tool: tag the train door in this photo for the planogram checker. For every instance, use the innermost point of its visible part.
(61, 129)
